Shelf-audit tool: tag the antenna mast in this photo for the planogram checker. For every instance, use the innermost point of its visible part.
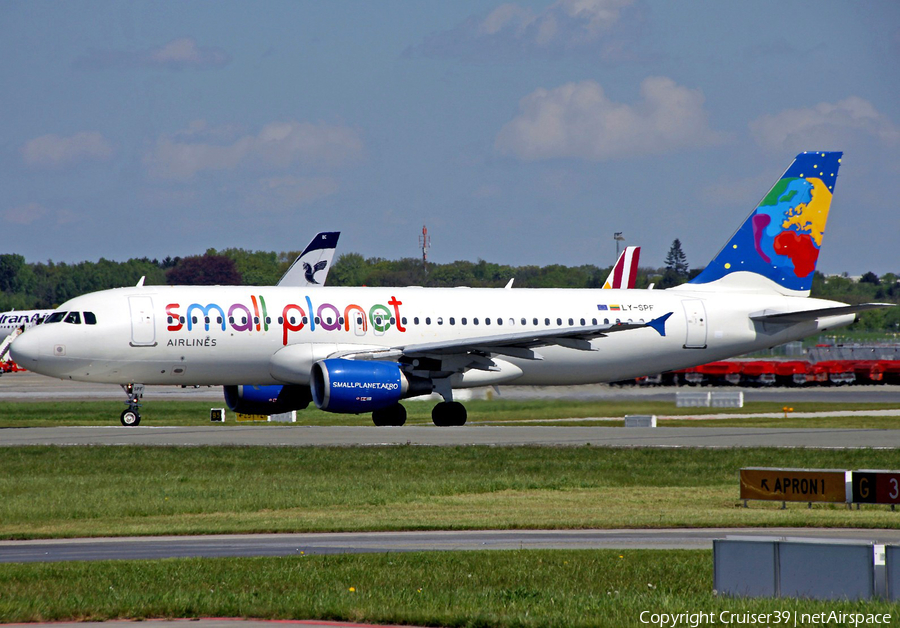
(424, 243)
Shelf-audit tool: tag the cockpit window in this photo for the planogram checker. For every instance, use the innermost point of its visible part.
(74, 318)
(89, 318)
(56, 317)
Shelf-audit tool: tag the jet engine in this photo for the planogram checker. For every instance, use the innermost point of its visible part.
(266, 399)
(356, 386)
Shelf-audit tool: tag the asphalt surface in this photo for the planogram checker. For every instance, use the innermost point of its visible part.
(242, 545)
(28, 386)
(298, 436)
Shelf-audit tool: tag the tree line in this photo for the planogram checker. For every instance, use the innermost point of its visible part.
(45, 285)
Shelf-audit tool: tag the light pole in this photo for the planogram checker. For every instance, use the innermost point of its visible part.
(618, 237)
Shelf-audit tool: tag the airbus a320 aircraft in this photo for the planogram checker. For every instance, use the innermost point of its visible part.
(355, 350)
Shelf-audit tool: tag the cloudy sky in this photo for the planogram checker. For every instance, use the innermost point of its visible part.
(520, 133)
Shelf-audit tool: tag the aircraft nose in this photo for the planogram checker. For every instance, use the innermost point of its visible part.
(25, 350)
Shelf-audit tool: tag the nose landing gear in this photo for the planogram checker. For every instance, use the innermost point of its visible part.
(131, 417)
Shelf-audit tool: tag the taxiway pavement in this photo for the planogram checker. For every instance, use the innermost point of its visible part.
(242, 545)
(342, 436)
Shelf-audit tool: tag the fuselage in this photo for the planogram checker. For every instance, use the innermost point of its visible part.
(224, 335)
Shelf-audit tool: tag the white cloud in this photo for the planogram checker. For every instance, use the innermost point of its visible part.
(826, 126)
(275, 194)
(511, 29)
(278, 144)
(25, 214)
(55, 151)
(579, 120)
(33, 212)
(179, 54)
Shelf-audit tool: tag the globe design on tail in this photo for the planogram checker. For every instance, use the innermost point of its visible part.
(782, 237)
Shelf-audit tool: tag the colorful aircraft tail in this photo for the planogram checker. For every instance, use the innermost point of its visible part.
(781, 239)
(624, 273)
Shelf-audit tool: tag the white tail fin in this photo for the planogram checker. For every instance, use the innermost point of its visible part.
(624, 273)
(311, 266)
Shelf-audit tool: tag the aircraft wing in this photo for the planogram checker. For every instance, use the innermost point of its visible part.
(789, 318)
(514, 344)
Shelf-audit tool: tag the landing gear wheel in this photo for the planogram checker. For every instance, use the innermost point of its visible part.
(394, 415)
(449, 413)
(130, 418)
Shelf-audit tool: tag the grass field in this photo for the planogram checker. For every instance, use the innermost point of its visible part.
(492, 588)
(497, 411)
(99, 491)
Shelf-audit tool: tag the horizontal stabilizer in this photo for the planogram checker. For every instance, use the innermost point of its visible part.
(789, 318)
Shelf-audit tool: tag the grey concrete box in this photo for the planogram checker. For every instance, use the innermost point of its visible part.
(692, 400)
(745, 568)
(826, 571)
(640, 420)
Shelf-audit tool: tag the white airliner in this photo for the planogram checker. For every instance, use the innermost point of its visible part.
(355, 350)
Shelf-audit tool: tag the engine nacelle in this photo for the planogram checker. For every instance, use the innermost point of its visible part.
(266, 399)
(357, 386)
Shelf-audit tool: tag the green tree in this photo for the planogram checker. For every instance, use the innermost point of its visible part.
(676, 259)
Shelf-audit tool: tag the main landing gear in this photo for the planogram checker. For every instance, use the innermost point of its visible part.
(449, 413)
(394, 415)
(131, 417)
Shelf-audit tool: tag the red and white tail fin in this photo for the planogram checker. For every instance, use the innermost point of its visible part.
(624, 273)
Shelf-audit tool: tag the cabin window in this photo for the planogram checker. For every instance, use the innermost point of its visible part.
(464, 321)
(206, 319)
(487, 321)
(74, 318)
(256, 320)
(280, 320)
(559, 322)
(194, 320)
(416, 320)
(359, 320)
(181, 319)
(440, 320)
(328, 320)
(393, 321)
(524, 322)
(582, 321)
(89, 318)
(428, 320)
(499, 321)
(219, 320)
(341, 320)
(593, 321)
(606, 321)
(474, 321)
(546, 321)
(243, 320)
(305, 321)
(403, 319)
(452, 321)
(571, 322)
(268, 320)
(318, 320)
(170, 320)
(293, 320)
(230, 320)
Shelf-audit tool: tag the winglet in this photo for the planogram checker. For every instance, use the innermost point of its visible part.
(659, 324)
